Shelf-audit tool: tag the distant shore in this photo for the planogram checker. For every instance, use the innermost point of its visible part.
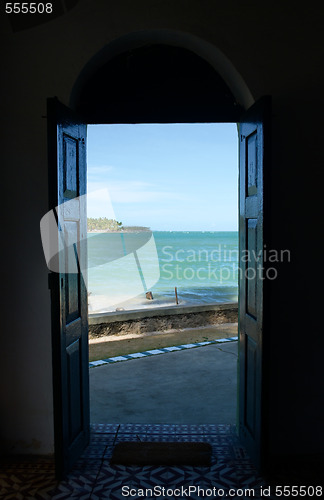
(125, 229)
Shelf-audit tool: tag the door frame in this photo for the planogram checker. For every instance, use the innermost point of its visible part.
(57, 382)
(253, 338)
(210, 53)
(67, 146)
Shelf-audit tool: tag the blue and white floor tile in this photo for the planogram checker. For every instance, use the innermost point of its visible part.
(92, 477)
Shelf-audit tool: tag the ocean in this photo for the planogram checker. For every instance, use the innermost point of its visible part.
(122, 267)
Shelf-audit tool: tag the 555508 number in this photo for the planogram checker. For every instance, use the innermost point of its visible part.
(301, 491)
(28, 8)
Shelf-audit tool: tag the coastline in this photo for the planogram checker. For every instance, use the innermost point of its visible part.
(125, 229)
(98, 303)
(102, 304)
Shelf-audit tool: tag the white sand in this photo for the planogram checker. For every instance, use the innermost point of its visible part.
(105, 303)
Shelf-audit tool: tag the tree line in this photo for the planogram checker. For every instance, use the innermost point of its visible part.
(103, 224)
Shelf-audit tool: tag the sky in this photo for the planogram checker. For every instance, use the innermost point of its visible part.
(169, 177)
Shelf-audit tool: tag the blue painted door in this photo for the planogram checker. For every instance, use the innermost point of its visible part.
(253, 169)
(67, 190)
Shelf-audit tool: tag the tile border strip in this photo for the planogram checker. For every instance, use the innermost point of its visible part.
(154, 352)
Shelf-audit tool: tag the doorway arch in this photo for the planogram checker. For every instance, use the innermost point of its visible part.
(170, 77)
(162, 66)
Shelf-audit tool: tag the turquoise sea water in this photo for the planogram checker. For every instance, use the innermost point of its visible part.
(202, 265)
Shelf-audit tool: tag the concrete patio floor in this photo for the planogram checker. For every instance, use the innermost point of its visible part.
(193, 386)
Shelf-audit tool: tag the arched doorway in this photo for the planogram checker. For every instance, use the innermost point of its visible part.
(160, 77)
(165, 77)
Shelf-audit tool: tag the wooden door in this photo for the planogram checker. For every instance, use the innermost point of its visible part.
(253, 157)
(67, 190)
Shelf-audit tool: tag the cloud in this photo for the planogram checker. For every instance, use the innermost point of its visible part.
(98, 172)
(136, 192)
(99, 203)
(100, 169)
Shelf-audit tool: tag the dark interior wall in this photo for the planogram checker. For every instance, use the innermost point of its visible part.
(277, 50)
(156, 83)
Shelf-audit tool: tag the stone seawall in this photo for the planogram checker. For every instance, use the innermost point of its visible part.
(161, 319)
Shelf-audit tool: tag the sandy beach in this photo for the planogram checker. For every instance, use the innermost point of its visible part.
(106, 303)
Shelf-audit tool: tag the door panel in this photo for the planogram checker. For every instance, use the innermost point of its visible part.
(70, 166)
(67, 175)
(253, 132)
(251, 281)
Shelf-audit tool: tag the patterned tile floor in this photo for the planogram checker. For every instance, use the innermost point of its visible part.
(92, 477)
